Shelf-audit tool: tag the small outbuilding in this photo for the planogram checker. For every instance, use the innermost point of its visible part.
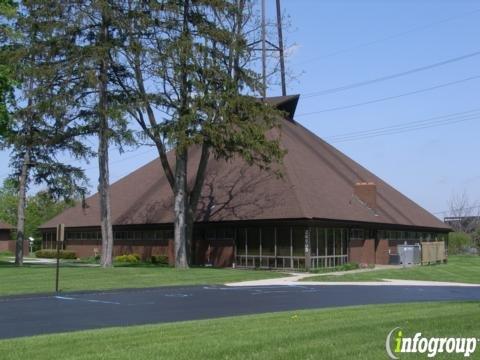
(6, 237)
(324, 211)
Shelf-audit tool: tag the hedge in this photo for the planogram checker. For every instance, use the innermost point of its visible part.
(128, 258)
(160, 260)
(52, 254)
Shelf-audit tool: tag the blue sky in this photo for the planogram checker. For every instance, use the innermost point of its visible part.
(341, 42)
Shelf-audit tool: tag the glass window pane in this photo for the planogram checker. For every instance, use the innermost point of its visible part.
(299, 241)
(253, 241)
(283, 241)
(313, 241)
(330, 241)
(211, 234)
(338, 241)
(321, 242)
(268, 241)
(240, 241)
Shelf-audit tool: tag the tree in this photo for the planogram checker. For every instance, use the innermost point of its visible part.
(185, 69)
(95, 45)
(7, 14)
(39, 208)
(466, 213)
(42, 121)
(458, 242)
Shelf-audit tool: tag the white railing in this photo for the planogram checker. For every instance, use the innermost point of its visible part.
(288, 262)
(328, 261)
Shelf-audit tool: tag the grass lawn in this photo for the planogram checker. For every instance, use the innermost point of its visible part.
(464, 269)
(41, 278)
(339, 333)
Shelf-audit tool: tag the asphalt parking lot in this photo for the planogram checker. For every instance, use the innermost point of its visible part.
(35, 315)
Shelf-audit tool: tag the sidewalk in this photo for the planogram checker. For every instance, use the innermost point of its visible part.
(30, 260)
(294, 280)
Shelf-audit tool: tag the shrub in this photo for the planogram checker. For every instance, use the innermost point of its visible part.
(6, 253)
(160, 260)
(128, 258)
(91, 259)
(52, 254)
(349, 266)
(458, 242)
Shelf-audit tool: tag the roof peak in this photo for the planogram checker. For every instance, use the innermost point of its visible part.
(287, 103)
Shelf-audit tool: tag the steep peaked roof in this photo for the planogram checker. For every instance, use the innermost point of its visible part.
(318, 183)
(5, 226)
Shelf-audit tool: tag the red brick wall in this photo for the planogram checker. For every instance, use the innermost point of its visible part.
(382, 255)
(4, 245)
(362, 251)
(218, 253)
(10, 245)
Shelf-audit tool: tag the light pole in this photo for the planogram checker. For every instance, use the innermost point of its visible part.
(31, 239)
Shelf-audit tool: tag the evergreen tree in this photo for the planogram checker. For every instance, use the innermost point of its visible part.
(186, 71)
(95, 51)
(7, 15)
(43, 119)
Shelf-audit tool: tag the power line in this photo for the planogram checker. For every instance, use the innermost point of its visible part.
(336, 108)
(407, 127)
(389, 37)
(123, 159)
(428, 120)
(389, 77)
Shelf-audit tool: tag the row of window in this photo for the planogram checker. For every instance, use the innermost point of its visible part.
(290, 241)
(286, 240)
(157, 235)
(411, 236)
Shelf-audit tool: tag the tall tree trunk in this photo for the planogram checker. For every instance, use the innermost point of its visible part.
(181, 191)
(189, 235)
(194, 198)
(103, 135)
(180, 208)
(104, 192)
(22, 195)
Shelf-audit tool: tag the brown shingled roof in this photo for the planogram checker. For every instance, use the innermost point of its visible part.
(5, 226)
(318, 183)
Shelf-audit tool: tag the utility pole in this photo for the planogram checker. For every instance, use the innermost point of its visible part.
(280, 48)
(264, 50)
(272, 47)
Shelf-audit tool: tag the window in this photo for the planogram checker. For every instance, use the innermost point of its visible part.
(211, 234)
(240, 241)
(168, 234)
(357, 234)
(228, 233)
(283, 241)
(299, 241)
(338, 241)
(268, 241)
(322, 242)
(253, 241)
(344, 241)
(330, 241)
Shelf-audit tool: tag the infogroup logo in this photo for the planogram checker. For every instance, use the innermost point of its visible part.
(397, 344)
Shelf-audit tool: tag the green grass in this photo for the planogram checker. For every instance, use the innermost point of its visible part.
(31, 279)
(338, 333)
(465, 269)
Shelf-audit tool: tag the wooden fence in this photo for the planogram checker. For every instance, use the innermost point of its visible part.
(433, 252)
